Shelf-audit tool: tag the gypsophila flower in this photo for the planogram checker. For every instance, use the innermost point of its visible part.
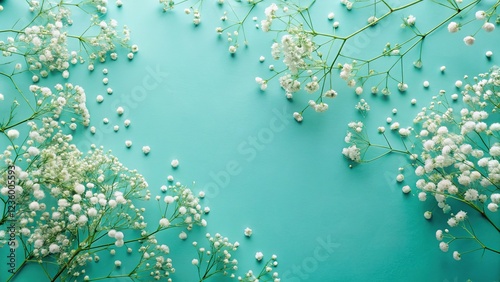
(427, 215)
(402, 87)
(493, 207)
(297, 116)
(400, 177)
(422, 196)
(394, 126)
(248, 232)
(406, 189)
(54, 248)
(439, 235)
(460, 216)
(480, 15)
(469, 40)
(183, 235)
(488, 27)
(453, 27)
(320, 107)
(233, 49)
(471, 195)
(169, 199)
(443, 246)
(353, 153)
(362, 106)
(13, 134)
(270, 13)
(410, 20)
(448, 165)
(164, 222)
(117, 235)
(259, 256)
(330, 93)
(372, 20)
(312, 86)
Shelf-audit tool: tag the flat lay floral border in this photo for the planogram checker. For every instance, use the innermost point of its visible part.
(64, 208)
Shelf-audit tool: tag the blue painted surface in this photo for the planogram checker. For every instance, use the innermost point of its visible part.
(189, 99)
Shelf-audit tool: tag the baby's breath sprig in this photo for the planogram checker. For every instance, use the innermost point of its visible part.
(74, 207)
(454, 149)
(43, 42)
(233, 21)
(312, 56)
(267, 272)
(218, 258)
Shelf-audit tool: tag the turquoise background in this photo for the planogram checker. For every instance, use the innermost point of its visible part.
(261, 169)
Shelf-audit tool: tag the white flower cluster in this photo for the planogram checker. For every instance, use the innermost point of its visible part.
(44, 42)
(318, 107)
(48, 43)
(186, 207)
(154, 262)
(167, 4)
(270, 13)
(348, 4)
(362, 106)
(409, 21)
(467, 150)
(218, 258)
(304, 48)
(266, 272)
(290, 85)
(101, 5)
(347, 73)
(455, 152)
(72, 207)
(92, 194)
(69, 97)
(353, 152)
(295, 47)
(106, 41)
(480, 15)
